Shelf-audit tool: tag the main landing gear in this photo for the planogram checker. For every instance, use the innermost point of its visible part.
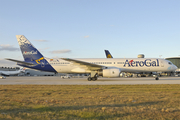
(93, 76)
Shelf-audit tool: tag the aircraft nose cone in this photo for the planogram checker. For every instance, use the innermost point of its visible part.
(175, 67)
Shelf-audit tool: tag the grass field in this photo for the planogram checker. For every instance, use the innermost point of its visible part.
(127, 102)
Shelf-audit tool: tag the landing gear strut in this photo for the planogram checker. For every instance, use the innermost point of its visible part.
(93, 76)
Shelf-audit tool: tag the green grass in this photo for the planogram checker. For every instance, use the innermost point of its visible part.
(127, 102)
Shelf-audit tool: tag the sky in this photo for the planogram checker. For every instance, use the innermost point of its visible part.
(85, 28)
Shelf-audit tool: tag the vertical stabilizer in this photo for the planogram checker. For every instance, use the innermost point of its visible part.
(32, 57)
(30, 53)
(108, 54)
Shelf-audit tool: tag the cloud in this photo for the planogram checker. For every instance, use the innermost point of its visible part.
(43, 49)
(41, 40)
(55, 57)
(86, 36)
(60, 51)
(8, 48)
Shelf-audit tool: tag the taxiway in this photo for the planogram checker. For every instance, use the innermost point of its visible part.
(56, 80)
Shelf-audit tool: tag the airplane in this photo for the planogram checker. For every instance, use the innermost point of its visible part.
(8, 73)
(108, 54)
(96, 67)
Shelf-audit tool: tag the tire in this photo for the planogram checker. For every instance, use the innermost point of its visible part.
(89, 78)
(94, 79)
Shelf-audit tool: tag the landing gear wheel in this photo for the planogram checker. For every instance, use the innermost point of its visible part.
(89, 78)
(94, 78)
(156, 78)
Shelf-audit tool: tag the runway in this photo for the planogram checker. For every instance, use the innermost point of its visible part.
(56, 80)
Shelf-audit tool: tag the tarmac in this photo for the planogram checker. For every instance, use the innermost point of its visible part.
(57, 80)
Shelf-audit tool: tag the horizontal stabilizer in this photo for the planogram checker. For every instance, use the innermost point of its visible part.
(21, 62)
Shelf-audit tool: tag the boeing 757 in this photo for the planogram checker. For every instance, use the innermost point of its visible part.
(104, 67)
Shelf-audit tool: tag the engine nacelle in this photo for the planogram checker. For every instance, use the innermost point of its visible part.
(114, 72)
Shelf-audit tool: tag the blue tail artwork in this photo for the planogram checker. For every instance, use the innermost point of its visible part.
(33, 56)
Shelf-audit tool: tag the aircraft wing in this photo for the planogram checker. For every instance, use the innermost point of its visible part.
(21, 62)
(87, 65)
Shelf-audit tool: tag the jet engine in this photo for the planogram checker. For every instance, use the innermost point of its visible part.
(113, 72)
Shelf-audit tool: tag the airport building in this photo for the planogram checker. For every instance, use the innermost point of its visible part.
(33, 72)
(175, 61)
(28, 72)
(9, 68)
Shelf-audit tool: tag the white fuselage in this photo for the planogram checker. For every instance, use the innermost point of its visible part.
(124, 64)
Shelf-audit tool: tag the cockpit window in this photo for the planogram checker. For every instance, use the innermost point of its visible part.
(170, 63)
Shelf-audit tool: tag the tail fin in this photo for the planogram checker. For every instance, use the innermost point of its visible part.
(108, 54)
(30, 53)
(32, 57)
(22, 69)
